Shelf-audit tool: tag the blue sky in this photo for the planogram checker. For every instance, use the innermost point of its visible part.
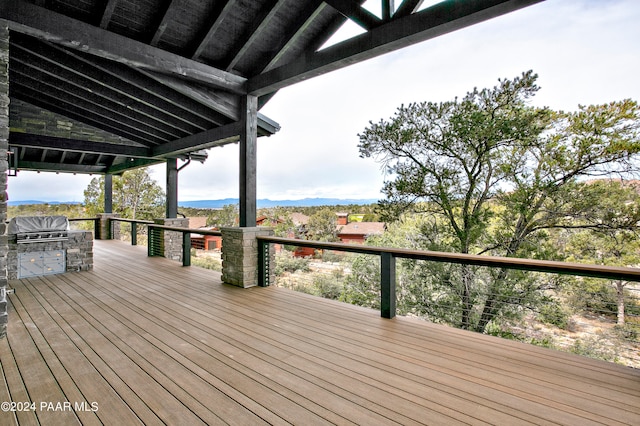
(584, 51)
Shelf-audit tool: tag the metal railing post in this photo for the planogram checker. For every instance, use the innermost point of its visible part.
(186, 249)
(387, 285)
(264, 264)
(134, 234)
(150, 240)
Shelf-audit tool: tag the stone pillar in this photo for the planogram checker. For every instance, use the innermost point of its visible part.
(240, 255)
(171, 241)
(108, 232)
(4, 165)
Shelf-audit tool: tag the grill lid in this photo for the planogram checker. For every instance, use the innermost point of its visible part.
(30, 224)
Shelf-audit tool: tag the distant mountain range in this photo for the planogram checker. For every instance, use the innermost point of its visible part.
(266, 203)
(217, 204)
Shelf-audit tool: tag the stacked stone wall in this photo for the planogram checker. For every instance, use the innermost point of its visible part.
(171, 241)
(4, 165)
(240, 255)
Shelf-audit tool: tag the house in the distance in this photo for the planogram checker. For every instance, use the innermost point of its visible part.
(357, 232)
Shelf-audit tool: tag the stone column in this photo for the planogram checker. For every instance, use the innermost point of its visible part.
(240, 255)
(4, 165)
(108, 232)
(171, 241)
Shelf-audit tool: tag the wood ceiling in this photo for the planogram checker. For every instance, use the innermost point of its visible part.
(158, 79)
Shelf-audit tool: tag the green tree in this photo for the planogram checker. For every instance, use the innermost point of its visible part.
(323, 225)
(135, 195)
(497, 173)
(607, 235)
(226, 216)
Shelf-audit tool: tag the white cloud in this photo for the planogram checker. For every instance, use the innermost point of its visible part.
(585, 52)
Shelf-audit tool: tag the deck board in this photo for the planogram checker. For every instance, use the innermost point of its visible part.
(152, 342)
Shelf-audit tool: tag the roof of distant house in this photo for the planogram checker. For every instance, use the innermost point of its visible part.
(362, 228)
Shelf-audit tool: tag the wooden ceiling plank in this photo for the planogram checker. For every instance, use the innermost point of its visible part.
(352, 10)
(88, 109)
(70, 111)
(29, 77)
(115, 86)
(158, 95)
(439, 19)
(45, 24)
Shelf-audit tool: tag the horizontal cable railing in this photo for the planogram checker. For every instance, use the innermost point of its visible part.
(95, 220)
(588, 309)
(156, 247)
(130, 233)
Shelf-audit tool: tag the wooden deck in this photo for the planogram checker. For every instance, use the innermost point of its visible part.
(145, 340)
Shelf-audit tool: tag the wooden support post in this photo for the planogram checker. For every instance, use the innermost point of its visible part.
(387, 285)
(248, 160)
(172, 188)
(108, 193)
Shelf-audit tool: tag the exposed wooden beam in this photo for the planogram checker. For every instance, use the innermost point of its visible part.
(407, 7)
(133, 163)
(218, 15)
(388, 7)
(293, 33)
(57, 167)
(215, 137)
(109, 7)
(167, 17)
(255, 32)
(437, 20)
(224, 103)
(352, 10)
(28, 140)
(45, 24)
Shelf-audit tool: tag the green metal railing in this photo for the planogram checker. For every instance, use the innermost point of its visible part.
(389, 255)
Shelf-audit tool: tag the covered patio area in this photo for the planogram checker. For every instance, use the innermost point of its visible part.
(143, 340)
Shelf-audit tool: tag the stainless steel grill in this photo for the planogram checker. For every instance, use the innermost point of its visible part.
(38, 229)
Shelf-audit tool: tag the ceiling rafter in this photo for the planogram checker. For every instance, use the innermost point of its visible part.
(168, 15)
(439, 19)
(292, 34)
(91, 108)
(45, 24)
(354, 11)
(107, 13)
(67, 73)
(218, 15)
(222, 102)
(48, 103)
(258, 26)
(407, 7)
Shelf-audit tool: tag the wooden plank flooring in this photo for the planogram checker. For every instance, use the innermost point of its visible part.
(145, 340)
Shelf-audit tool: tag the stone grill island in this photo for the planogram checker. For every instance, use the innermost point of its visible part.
(44, 245)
